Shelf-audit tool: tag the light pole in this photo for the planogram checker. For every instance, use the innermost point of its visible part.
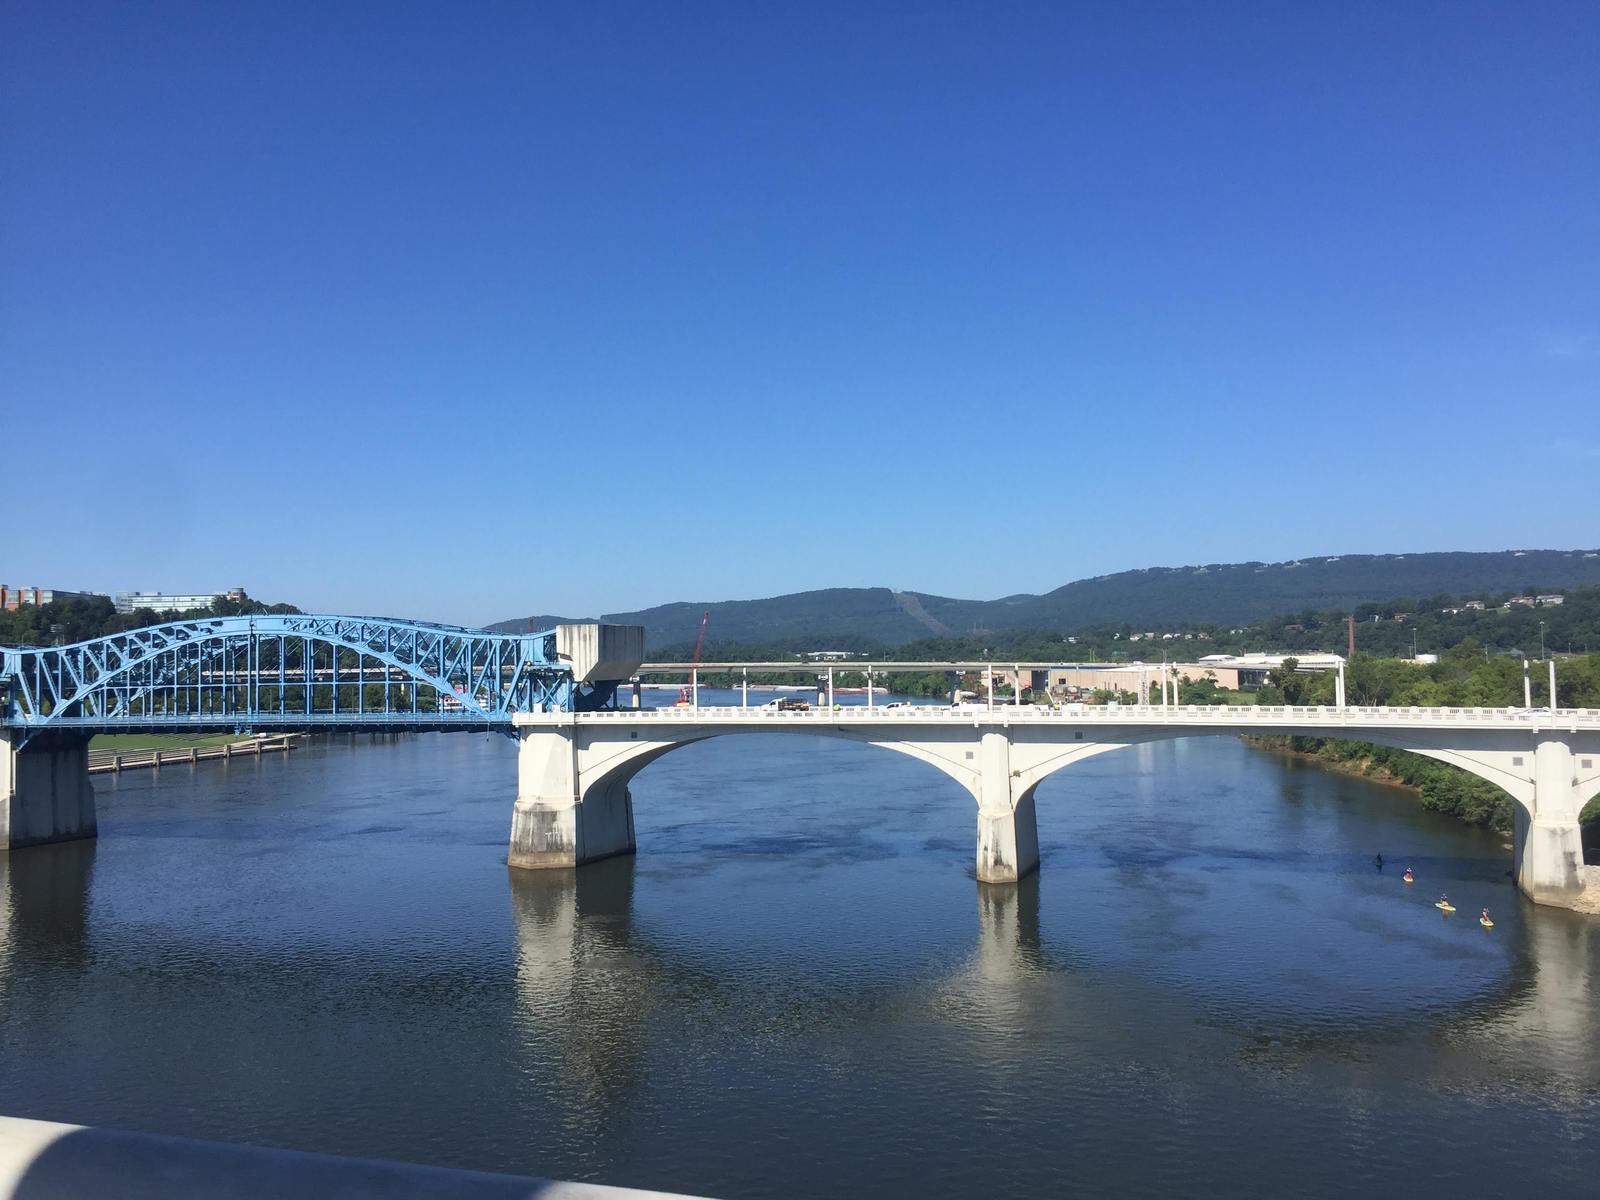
(1541, 639)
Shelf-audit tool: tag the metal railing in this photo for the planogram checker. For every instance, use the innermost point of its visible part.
(1091, 714)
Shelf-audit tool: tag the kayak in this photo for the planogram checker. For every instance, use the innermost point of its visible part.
(1485, 922)
(1443, 907)
(1408, 878)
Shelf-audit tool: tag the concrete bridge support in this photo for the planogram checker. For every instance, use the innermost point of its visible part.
(1008, 831)
(558, 821)
(45, 792)
(1547, 843)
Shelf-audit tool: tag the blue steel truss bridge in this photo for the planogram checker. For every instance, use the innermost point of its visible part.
(301, 672)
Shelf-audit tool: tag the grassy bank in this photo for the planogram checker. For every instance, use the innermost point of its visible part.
(159, 741)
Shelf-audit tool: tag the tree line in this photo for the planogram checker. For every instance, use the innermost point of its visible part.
(82, 618)
(1464, 676)
(1383, 629)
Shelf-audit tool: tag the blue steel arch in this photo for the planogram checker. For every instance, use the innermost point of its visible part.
(286, 671)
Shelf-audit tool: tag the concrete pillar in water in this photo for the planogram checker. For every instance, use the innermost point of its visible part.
(45, 792)
(1008, 834)
(562, 819)
(1547, 844)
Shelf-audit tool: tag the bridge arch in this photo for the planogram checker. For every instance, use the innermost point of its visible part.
(614, 765)
(577, 774)
(1509, 770)
(231, 672)
(573, 799)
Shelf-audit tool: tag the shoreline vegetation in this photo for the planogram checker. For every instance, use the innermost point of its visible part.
(1442, 788)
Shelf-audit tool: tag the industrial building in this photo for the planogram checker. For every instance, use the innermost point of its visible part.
(1237, 672)
(28, 597)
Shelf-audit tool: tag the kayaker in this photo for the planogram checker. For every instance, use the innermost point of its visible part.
(1408, 876)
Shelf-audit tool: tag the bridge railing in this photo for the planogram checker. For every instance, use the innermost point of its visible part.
(1214, 714)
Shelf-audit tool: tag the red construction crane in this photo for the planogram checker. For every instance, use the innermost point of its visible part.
(699, 645)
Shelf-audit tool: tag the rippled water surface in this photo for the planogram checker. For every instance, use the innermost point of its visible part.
(798, 988)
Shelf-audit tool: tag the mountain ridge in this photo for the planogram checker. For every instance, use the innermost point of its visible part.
(1208, 593)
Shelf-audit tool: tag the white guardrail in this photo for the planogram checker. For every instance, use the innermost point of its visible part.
(1092, 714)
(44, 1160)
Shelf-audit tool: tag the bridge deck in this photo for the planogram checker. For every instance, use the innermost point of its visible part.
(241, 723)
(1267, 717)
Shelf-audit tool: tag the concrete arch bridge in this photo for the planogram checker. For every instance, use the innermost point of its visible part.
(574, 805)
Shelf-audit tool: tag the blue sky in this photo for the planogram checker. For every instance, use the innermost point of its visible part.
(462, 311)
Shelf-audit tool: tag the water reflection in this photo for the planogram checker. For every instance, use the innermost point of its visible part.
(1008, 946)
(44, 901)
(584, 989)
(598, 991)
(44, 912)
(1543, 1027)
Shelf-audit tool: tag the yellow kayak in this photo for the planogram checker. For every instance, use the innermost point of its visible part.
(1443, 907)
(1485, 922)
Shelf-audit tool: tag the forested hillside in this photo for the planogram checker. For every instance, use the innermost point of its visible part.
(1219, 594)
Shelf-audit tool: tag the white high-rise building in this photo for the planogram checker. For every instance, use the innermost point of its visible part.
(163, 602)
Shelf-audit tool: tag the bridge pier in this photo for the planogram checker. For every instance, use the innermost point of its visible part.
(1008, 830)
(45, 792)
(1547, 843)
(1008, 843)
(558, 821)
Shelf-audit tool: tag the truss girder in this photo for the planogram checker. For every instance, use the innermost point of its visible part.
(236, 670)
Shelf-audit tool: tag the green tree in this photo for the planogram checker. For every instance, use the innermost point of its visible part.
(1286, 682)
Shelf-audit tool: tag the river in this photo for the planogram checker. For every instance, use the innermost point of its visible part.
(797, 988)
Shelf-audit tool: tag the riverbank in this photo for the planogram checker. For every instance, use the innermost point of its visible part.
(156, 751)
(1442, 788)
(1367, 768)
